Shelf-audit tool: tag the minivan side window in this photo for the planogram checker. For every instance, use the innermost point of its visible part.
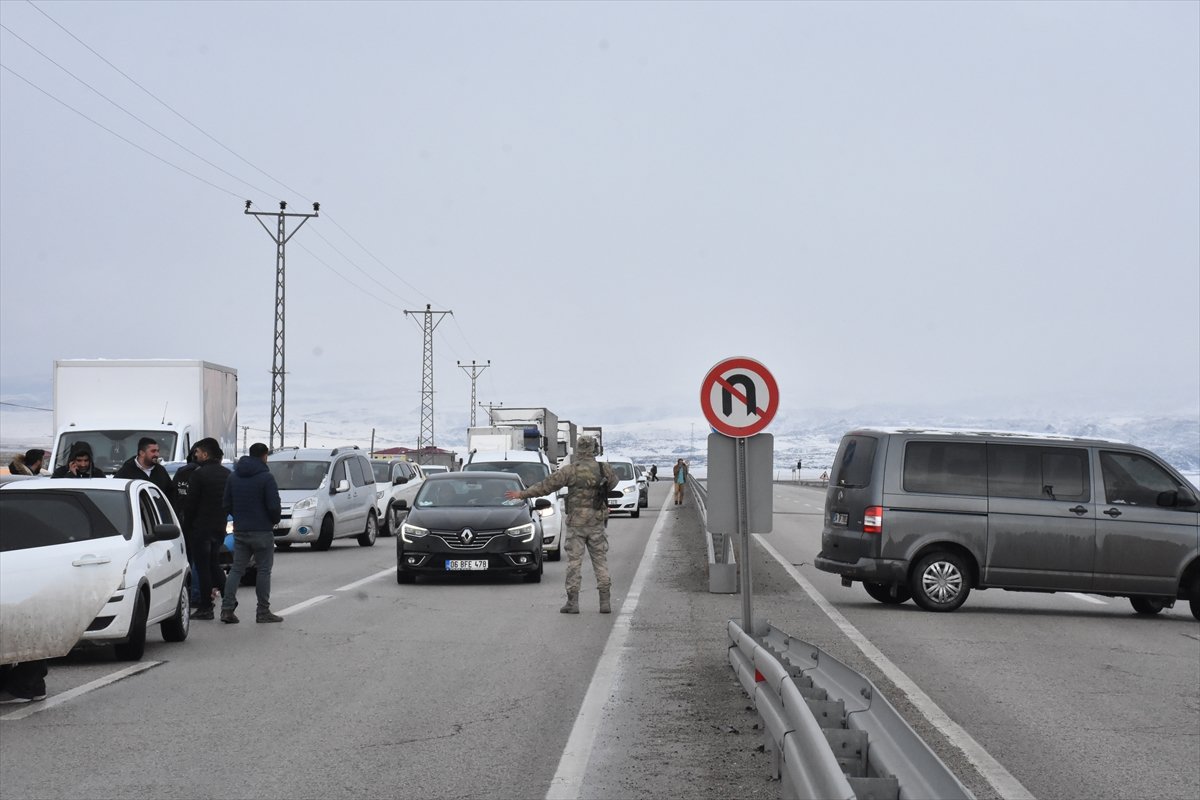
(1049, 473)
(945, 468)
(354, 466)
(856, 462)
(1132, 479)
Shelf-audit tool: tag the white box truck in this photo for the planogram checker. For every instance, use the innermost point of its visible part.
(112, 403)
(597, 433)
(540, 427)
(568, 432)
(495, 437)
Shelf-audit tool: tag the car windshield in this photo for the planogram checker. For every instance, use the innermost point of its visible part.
(623, 469)
(383, 471)
(465, 491)
(299, 474)
(531, 472)
(44, 518)
(112, 448)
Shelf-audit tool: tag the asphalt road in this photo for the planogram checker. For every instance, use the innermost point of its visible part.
(480, 688)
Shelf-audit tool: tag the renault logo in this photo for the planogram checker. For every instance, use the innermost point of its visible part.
(467, 536)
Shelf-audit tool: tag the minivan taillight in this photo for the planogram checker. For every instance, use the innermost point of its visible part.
(873, 519)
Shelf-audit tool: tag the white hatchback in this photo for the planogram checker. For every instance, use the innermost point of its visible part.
(89, 561)
(626, 495)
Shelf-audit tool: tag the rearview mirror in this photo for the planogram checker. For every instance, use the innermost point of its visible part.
(343, 486)
(165, 531)
(399, 480)
(541, 504)
(401, 504)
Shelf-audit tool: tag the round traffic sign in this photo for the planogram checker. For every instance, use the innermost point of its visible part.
(739, 397)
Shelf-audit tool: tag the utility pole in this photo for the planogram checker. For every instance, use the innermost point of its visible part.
(245, 439)
(278, 370)
(475, 370)
(489, 407)
(425, 439)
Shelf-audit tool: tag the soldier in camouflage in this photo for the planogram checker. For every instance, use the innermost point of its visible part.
(587, 481)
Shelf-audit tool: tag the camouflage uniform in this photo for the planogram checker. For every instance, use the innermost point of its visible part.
(585, 523)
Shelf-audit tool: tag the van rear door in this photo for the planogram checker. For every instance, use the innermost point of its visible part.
(853, 488)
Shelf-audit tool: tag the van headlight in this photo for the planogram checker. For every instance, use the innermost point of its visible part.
(307, 504)
(522, 532)
(629, 489)
(409, 532)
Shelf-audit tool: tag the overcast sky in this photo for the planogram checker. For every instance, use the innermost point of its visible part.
(967, 204)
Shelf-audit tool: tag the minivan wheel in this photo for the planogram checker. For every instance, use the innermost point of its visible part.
(325, 537)
(939, 582)
(1150, 605)
(883, 592)
(1195, 604)
(367, 537)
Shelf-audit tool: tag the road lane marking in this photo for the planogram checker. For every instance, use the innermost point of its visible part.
(1087, 598)
(36, 707)
(312, 601)
(572, 766)
(992, 771)
(368, 579)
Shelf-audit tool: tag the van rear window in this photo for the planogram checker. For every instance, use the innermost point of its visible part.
(945, 468)
(855, 462)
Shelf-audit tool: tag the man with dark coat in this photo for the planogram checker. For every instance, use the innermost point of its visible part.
(79, 464)
(144, 466)
(252, 497)
(205, 508)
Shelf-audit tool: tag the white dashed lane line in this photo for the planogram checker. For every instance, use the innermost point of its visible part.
(36, 707)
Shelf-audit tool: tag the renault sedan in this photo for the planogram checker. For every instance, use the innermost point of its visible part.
(462, 522)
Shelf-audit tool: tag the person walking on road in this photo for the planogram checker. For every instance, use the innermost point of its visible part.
(144, 466)
(588, 482)
(654, 472)
(252, 497)
(681, 475)
(206, 510)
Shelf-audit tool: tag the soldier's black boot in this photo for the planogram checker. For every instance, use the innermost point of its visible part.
(605, 605)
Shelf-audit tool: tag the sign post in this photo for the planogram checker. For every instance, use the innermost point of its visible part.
(739, 398)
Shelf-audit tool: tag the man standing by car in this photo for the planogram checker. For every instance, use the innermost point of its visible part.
(588, 482)
(79, 464)
(252, 497)
(144, 466)
(205, 504)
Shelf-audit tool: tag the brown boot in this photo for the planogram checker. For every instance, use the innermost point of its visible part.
(572, 606)
(605, 606)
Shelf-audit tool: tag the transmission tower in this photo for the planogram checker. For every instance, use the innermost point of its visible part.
(280, 237)
(490, 407)
(474, 370)
(429, 323)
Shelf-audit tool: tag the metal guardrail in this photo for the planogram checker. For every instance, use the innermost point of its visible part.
(830, 732)
(722, 568)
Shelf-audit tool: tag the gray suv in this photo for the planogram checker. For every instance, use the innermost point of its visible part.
(930, 515)
(326, 494)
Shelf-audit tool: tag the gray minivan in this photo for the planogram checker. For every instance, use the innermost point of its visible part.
(930, 515)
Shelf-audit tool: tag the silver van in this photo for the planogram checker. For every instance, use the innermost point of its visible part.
(930, 515)
(326, 495)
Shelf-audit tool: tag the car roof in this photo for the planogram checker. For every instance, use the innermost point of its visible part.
(105, 484)
(473, 475)
(968, 433)
(311, 453)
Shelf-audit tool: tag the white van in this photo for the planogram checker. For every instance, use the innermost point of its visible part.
(626, 495)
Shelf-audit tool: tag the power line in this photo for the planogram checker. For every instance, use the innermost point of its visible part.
(68, 106)
(18, 405)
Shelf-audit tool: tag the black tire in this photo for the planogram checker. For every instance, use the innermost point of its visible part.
(250, 576)
(555, 555)
(385, 524)
(367, 538)
(1148, 606)
(175, 628)
(325, 537)
(283, 545)
(883, 593)
(535, 576)
(402, 576)
(940, 582)
(637, 512)
(135, 647)
(1195, 604)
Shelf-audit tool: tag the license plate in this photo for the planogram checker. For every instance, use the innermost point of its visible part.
(455, 565)
(840, 519)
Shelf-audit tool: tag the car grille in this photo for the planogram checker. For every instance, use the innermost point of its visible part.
(479, 542)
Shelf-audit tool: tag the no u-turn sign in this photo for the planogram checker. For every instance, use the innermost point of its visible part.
(739, 397)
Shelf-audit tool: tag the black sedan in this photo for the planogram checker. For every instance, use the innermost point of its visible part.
(461, 522)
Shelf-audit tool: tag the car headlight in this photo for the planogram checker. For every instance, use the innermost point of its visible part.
(307, 504)
(522, 532)
(410, 532)
(629, 489)
(379, 495)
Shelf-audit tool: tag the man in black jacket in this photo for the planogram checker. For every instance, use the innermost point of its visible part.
(79, 464)
(252, 497)
(145, 466)
(205, 509)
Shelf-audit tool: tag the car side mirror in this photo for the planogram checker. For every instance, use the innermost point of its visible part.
(562, 492)
(399, 480)
(165, 531)
(343, 486)
(1175, 499)
(401, 504)
(541, 504)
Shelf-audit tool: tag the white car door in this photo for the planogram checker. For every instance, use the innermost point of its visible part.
(57, 570)
(165, 560)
